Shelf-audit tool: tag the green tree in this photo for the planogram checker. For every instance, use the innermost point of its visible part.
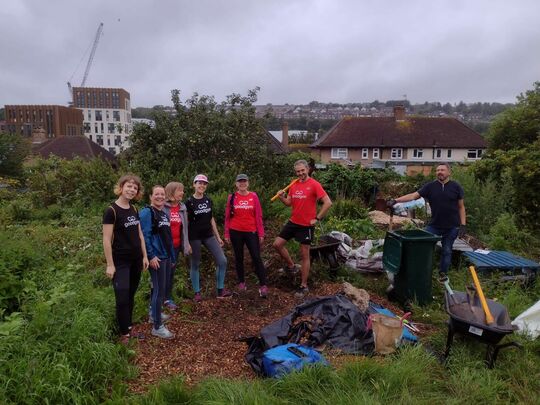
(203, 133)
(518, 126)
(13, 151)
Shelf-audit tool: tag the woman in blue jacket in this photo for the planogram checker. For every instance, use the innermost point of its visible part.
(156, 229)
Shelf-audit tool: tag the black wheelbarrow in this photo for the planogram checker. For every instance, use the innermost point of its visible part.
(326, 249)
(468, 319)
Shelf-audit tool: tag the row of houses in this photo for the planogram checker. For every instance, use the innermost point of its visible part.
(409, 144)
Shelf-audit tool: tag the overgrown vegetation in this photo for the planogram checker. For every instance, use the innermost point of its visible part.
(57, 330)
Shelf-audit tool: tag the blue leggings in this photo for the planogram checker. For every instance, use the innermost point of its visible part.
(212, 245)
(159, 283)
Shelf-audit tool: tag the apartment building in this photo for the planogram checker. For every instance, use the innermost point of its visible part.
(51, 120)
(106, 116)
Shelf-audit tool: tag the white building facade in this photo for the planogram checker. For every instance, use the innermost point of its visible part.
(106, 116)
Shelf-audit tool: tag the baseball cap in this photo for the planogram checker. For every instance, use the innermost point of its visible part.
(200, 177)
(242, 176)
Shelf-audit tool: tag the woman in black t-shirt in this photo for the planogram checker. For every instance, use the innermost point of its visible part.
(125, 251)
(202, 230)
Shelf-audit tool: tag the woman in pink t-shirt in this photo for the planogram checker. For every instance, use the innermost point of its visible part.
(244, 226)
(176, 211)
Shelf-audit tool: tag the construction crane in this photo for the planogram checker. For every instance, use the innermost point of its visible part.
(90, 60)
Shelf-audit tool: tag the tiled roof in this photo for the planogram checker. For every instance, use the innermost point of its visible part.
(68, 147)
(412, 132)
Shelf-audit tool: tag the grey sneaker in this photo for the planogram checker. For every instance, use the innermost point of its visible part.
(164, 317)
(290, 270)
(301, 292)
(162, 332)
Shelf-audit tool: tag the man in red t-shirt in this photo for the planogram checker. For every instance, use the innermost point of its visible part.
(302, 197)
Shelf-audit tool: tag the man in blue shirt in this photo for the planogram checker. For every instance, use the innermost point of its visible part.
(448, 218)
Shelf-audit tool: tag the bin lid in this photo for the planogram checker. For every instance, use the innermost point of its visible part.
(415, 235)
(392, 253)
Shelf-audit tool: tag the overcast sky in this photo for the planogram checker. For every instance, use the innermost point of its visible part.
(296, 51)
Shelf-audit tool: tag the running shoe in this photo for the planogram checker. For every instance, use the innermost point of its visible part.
(224, 293)
(289, 270)
(301, 292)
(162, 332)
(171, 305)
(242, 286)
(263, 291)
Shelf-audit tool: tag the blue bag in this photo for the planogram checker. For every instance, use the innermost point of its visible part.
(281, 360)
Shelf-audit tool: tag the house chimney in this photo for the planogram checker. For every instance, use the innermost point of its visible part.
(285, 135)
(399, 113)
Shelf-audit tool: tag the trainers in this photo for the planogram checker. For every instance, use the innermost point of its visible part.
(164, 317)
(242, 287)
(171, 305)
(263, 291)
(197, 297)
(124, 339)
(224, 293)
(162, 332)
(443, 277)
(290, 270)
(301, 292)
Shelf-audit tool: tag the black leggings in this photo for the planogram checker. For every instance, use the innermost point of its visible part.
(251, 240)
(125, 283)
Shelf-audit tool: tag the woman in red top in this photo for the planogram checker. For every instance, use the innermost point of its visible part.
(176, 211)
(244, 226)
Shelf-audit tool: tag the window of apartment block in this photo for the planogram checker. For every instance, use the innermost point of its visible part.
(111, 128)
(438, 153)
(86, 127)
(376, 153)
(99, 139)
(396, 153)
(89, 115)
(106, 115)
(474, 153)
(365, 153)
(102, 128)
(99, 117)
(96, 128)
(108, 141)
(116, 116)
(112, 150)
(117, 140)
(339, 153)
(418, 153)
(449, 153)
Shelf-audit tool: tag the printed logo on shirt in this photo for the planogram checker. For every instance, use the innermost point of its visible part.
(132, 221)
(163, 222)
(202, 209)
(299, 194)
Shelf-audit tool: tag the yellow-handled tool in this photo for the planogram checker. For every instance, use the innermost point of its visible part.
(274, 198)
(489, 318)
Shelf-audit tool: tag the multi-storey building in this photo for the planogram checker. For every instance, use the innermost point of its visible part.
(106, 116)
(51, 120)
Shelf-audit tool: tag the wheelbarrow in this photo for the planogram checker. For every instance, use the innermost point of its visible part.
(468, 319)
(326, 249)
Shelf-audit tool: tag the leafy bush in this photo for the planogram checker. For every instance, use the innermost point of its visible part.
(505, 234)
(356, 228)
(348, 209)
(71, 182)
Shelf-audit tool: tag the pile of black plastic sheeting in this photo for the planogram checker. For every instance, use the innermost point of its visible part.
(332, 321)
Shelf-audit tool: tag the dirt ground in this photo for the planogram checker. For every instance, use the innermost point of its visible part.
(207, 334)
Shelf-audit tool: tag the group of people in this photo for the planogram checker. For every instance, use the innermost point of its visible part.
(168, 228)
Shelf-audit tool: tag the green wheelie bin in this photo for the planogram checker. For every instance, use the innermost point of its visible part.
(408, 255)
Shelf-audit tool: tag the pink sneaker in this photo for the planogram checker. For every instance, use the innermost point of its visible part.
(242, 287)
(197, 297)
(263, 291)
